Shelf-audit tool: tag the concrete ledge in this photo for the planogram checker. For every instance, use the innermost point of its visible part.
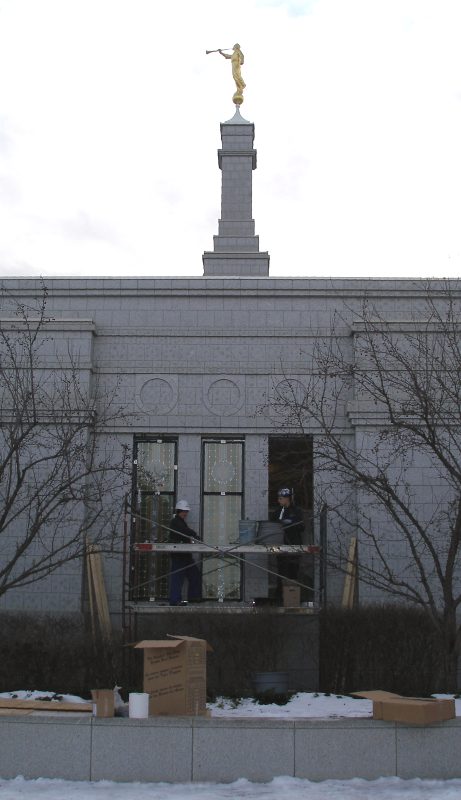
(183, 749)
(430, 752)
(256, 749)
(345, 749)
(46, 747)
(137, 750)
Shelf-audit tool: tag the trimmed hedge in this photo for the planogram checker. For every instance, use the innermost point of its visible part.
(388, 647)
(57, 654)
(53, 654)
(375, 647)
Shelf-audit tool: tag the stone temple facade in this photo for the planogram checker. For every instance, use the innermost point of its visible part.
(196, 362)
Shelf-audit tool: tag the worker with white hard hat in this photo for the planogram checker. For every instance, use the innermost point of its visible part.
(182, 565)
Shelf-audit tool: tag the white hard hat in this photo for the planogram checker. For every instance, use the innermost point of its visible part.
(182, 505)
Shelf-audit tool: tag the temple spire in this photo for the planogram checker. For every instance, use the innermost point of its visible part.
(236, 248)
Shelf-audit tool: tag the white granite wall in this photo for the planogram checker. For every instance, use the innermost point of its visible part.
(199, 357)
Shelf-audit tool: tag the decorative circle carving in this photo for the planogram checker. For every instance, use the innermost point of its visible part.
(224, 397)
(157, 396)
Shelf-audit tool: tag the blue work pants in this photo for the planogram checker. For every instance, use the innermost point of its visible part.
(183, 566)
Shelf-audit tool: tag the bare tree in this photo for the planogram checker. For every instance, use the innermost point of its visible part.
(383, 402)
(63, 473)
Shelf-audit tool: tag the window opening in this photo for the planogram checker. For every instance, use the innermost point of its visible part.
(291, 466)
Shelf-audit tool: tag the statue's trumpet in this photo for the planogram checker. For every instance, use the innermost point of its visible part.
(207, 52)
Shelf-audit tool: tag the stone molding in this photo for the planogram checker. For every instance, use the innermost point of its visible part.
(14, 323)
(238, 286)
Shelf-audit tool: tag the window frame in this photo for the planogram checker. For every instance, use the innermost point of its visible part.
(219, 439)
(144, 568)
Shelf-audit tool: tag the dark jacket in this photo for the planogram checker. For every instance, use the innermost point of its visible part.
(181, 533)
(293, 525)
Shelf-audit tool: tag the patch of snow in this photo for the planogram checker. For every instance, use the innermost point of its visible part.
(288, 788)
(303, 704)
(27, 694)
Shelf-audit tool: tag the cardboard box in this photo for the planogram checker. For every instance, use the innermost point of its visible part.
(175, 675)
(103, 702)
(291, 595)
(414, 710)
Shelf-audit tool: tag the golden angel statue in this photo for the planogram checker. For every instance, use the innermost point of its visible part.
(237, 60)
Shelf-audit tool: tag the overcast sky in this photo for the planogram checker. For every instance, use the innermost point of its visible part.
(109, 127)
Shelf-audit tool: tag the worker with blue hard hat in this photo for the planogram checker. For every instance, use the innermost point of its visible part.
(291, 518)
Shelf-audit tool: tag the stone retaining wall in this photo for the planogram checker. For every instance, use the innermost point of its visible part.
(180, 749)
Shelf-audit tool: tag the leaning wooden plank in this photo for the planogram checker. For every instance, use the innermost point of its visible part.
(350, 579)
(43, 705)
(100, 593)
(90, 592)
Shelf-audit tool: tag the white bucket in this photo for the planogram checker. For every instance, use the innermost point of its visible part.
(138, 705)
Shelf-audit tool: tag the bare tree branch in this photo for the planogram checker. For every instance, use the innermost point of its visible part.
(63, 474)
(384, 406)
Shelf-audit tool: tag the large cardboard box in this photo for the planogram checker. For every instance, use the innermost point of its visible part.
(291, 595)
(175, 675)
(414, 710)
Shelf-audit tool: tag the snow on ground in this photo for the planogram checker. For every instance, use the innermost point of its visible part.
(24, 694)
(301, 705)
(286, 788)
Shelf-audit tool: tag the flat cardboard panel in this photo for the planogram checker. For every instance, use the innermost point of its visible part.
(376, 694)
(418, 712)
(415, 710)
(43, 705)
